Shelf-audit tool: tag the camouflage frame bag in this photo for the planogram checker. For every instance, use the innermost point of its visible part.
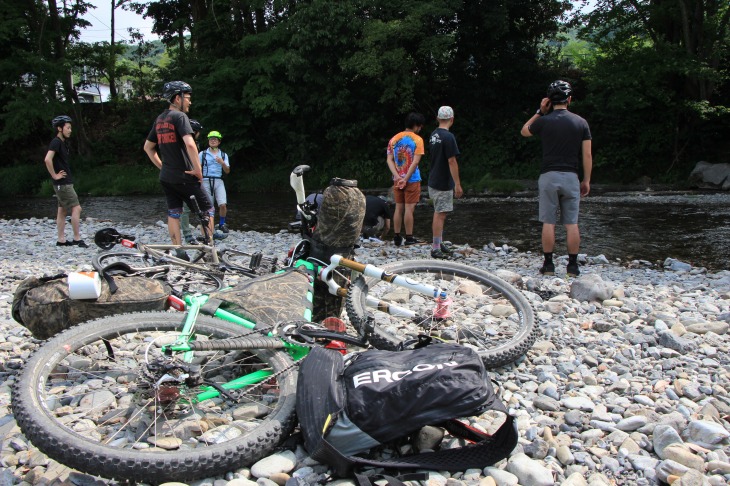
(43, 306)
(267, 300)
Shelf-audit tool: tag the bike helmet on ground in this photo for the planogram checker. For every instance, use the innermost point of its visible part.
(60, 121)
(559, 91)
(106, 238)
(174, 88)
(196, 126)
(215, 134)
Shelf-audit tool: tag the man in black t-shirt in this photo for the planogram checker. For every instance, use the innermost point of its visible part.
(566, 142)
(378, 214)
(444, 183)
(171, 147)
(58, 167)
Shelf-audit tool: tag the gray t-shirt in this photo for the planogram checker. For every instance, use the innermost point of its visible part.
(562, 134)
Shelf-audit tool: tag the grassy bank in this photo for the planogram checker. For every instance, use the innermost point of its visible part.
(118, 180)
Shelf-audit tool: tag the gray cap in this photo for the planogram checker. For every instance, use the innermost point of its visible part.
(445, 113)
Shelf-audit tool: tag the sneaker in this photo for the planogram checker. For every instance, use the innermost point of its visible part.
(182, 254)
(191, 240)
(572, 270)
(412, 241)
(439, 254)
(65, 243)
(397, 240)
(219, 235)
(223, 228)
(548, 268)
(448, 249)
(79, 243)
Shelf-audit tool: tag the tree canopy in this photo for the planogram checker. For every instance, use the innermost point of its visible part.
(328, 83)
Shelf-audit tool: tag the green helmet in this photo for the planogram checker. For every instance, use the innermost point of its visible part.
(215, 134)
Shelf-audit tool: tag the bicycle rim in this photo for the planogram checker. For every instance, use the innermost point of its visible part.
(105, 416)
(487, 314)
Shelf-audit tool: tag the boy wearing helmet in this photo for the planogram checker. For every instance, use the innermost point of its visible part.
(58, 167)
(566, 142)
(171, 147)
(215, 163)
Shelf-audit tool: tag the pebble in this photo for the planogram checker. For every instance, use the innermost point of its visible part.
(627, 384)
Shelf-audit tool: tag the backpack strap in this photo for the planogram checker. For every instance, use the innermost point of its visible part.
(487, 450)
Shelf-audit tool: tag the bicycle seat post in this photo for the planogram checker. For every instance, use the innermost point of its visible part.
(204, 220)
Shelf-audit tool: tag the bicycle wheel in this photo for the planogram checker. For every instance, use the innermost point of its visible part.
(181, 278)
(102, 398)
(487, 314)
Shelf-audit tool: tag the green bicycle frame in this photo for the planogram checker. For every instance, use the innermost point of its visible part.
(193, 304)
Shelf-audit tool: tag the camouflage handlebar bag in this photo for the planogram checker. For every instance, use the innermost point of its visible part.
(44, 307)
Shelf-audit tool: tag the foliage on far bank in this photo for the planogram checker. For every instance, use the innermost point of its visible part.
(328, 83)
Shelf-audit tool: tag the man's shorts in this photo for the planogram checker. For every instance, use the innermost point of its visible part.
(215, 187)
(66, 195)
(177, 193)
(443, 201)
(410, 194)
(559, 190)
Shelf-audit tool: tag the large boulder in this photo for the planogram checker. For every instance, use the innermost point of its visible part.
(710, 176)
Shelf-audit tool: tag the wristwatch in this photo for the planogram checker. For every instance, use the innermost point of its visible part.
(538, 112)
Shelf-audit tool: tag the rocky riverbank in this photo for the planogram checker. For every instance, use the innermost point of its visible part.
(628, 384)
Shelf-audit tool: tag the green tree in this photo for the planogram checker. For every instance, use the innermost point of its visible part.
(658, 84)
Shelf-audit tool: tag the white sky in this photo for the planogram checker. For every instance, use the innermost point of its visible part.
(101, 19)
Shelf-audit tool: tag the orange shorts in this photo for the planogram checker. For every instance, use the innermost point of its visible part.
(411, 194)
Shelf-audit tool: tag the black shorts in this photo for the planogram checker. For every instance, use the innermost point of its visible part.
(177, 193)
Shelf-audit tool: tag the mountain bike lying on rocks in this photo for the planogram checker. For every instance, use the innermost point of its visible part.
(203, 272)
(152, 397)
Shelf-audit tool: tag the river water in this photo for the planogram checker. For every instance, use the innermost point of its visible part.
(692, 227)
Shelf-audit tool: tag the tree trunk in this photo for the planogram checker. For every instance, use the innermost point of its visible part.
(112, 70)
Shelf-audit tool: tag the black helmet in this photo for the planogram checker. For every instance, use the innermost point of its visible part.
(174, 88)
(559, 91)
(60, 121)
(196, 126)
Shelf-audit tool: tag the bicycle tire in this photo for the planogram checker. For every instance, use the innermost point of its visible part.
(182, 279)
(498, 340)
(55, 378)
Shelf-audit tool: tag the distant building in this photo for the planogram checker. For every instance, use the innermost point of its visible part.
(99, 92)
